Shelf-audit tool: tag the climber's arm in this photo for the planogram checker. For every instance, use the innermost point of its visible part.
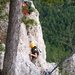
(35, 55)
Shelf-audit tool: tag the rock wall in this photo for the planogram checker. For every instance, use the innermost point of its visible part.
(69, 65)
(1, 59)
(4, 21)
(33, 34)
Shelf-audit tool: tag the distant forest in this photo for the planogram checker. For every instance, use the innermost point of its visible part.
(58, 26)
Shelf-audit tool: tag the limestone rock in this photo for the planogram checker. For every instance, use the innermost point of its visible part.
(4, 22)
(69, 65)
(1, 59)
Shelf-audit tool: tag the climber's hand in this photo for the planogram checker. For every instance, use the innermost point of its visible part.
(30, 54)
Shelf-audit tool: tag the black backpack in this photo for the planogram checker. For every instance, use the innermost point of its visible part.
(37, 50)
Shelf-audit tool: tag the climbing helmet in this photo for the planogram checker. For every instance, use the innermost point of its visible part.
(32, 45)
(46, 73)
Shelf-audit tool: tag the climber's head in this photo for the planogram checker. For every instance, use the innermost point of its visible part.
(32, 45)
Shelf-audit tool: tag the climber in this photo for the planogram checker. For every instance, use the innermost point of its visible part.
(27, 4)
(34, 53)
(25, 11)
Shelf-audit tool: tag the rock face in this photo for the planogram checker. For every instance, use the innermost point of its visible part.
(1, 59)
(69, 65)
(33, 34)
(4, 22)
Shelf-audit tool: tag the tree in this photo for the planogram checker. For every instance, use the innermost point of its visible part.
(58, 2)
(15, 17)
(68, 39)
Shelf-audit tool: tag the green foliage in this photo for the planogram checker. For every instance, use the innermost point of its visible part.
(25, 7)
(1, 48)
(0, 11)
(1, 17)
(5, 36)
(57, 2)
(0, 42)
(2, 2)
(6, 14)
(31, 28)
(30, 21)
(28, 25)
(31, 10)
(23, 19)
(8, 0)
(0, 28)
(66, 74)
(2, 6)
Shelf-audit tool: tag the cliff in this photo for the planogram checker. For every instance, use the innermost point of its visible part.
(33, 34)
(69, 65)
